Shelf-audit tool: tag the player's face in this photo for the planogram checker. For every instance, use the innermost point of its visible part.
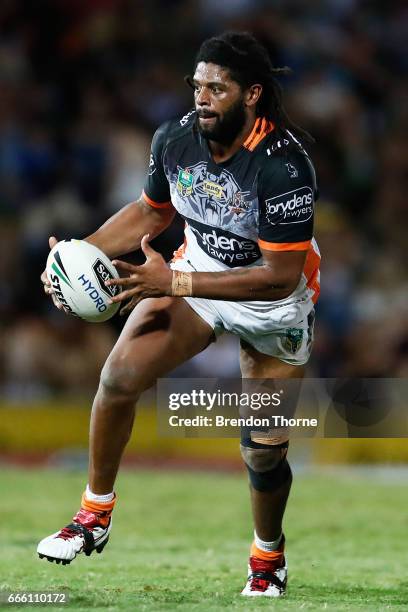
(219, 103)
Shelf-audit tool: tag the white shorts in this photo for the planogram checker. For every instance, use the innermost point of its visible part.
(282, 329)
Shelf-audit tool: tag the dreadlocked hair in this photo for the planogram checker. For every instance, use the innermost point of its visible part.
(248, 63)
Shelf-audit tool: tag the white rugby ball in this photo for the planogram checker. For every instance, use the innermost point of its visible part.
(77, 271)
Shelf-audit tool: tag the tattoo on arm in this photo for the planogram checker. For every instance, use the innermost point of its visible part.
(241, 272)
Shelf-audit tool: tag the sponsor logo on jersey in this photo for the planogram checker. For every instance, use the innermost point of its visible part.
(212, 189)
(185, 183)
(103, 274)
(228, 248)
(293, 173)
(293, 339)
(292, 207)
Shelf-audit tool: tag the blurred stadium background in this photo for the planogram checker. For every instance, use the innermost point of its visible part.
(84, 84)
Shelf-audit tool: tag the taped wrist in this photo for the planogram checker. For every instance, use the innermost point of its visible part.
(182, 284)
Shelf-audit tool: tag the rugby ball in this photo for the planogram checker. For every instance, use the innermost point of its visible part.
(77, 272)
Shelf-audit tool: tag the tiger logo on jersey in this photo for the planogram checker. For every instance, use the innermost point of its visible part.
(215, 200)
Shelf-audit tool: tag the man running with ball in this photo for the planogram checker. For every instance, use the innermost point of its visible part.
(234, 168)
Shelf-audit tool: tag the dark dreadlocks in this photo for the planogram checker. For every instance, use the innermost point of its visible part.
(248, 63)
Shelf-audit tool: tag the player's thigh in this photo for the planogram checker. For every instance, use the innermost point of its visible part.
(259, 365)
(159, 335)
(268, 369)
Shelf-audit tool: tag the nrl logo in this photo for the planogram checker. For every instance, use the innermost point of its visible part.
(185, 183)
(293, 173)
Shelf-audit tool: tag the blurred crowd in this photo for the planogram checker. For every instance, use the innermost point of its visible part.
(84, 84)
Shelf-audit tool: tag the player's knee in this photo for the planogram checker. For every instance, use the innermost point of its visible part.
(119, 381)
(267, 466)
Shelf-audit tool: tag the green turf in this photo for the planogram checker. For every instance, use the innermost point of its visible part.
(180, 542)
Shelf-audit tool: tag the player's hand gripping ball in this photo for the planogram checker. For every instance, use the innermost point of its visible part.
(77, 272)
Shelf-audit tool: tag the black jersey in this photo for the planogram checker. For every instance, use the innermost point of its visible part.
(261, 198)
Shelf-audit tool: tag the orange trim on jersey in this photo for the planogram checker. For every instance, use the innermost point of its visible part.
(262, 127)
(179, 254)
(311, 271)
(284, 246)
(156, 204)
(312, 261)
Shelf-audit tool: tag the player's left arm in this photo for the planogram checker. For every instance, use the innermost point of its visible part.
(277, 278)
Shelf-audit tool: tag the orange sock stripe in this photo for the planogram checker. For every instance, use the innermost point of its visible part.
(93, 506)
(275, 555)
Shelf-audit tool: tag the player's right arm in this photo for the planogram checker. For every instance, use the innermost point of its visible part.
(123, 232)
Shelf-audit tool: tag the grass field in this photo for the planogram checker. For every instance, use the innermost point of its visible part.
(180, 542)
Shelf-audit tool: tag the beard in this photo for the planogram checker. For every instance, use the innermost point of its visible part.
(225, 130)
